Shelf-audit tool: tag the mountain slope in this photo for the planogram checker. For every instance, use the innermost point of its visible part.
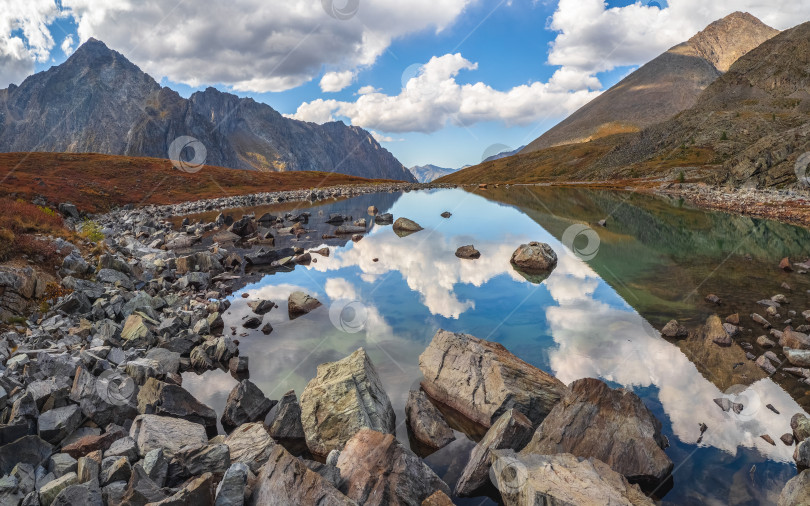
(429, 172)
(663, 87)
(98, 101)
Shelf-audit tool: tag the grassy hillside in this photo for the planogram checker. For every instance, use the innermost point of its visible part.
(96, 183)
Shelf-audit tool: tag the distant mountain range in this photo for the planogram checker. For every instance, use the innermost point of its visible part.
(428, 173)
(748, 127)
(98, 101)
(663, 87)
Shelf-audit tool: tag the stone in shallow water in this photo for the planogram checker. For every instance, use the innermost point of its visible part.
(344, 397)
(246, 403)
(562, 479)
(482, 380)
(284, 420)
(468, 252)
(425, 422)
(301, 303)
(612, 425)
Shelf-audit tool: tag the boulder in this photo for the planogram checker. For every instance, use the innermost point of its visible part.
(246, 403)
(115, 469)
(140, 490)
(802, 454)
(53, 488)
(250, 444)
(534, 261)
(91, 443)
(344, 397)
(468, 252)
(674, 330)
(438, 498)
(796, 491)
(167, 433)
(26, 450)
(561, 479)
(300, 303)
(801, 426)
(384, 219)
(793, 339)
(375, 469)
(199, 491)
(612, 425)
(799, 358)
(286, 481)
(87, 495)
(58, 423)
(124, 447)
(231, 490)
(261, 307)
(196, 460)
(482, 380)
(511, 431)
(404, 226)
(165, 399)
(425, 422)
(284, 420)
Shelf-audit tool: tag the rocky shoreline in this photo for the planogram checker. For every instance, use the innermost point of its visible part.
(94, 410)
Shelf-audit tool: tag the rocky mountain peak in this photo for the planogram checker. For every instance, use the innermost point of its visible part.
(726, 40)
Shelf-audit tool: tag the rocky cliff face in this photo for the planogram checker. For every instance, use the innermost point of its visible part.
(663, 87)
(98, 101)
(429, 172)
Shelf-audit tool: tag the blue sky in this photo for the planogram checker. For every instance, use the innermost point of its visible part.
(501, 72)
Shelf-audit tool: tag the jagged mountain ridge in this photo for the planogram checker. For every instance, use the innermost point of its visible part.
(98, 101)
(429, 172)
(663, 87)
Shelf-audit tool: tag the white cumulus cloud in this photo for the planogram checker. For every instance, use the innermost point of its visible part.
(24, 37)
(336, 81)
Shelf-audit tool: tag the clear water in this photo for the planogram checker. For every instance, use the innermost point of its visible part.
(595, 316)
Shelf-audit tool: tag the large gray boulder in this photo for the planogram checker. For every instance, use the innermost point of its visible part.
(482, 380)
(246, 403)
(284, 420)
(58, 423)
(165, 399)
(170, 434)
(612, 425)
(344, 397)
(796, 491)
(562, 479)
(512, 431)
(534, 261)
(250, 444)
(376, 470)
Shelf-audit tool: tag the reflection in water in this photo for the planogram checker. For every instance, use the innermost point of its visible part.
(574, 325)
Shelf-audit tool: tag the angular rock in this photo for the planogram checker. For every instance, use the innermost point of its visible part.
(426, 423)
(375, 469)
(796, 491)
(231, 490)
(482, 380)
(284, 420)
(286, 481)
(141, 490)
(344, 397)
(86, 495)
(614, 426)
(801, 426)
(50, 490)
(165, 399)
(795, 340)
(438, 498)
(561, 479)
(261, 307)
(799, 358)
(252, 322)
(115, 469)
(91, 443)
(246, 403)
(61, 463)
(170, 434)
(196, 460)
(124, 447)
(250, 444)
(156, 466)
(511, 431)
(802, 454)
(56, 424)
(26, 450)
(300, 303)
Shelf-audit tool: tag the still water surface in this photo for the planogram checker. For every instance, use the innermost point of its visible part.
(595, 316)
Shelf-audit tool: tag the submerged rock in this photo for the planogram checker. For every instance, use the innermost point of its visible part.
(468, 252)
(561, 479)
(344, 397)
(376, 470)
(674, 330)
(426, 423)
(482, 380)
(404, 226)
(612, 425)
